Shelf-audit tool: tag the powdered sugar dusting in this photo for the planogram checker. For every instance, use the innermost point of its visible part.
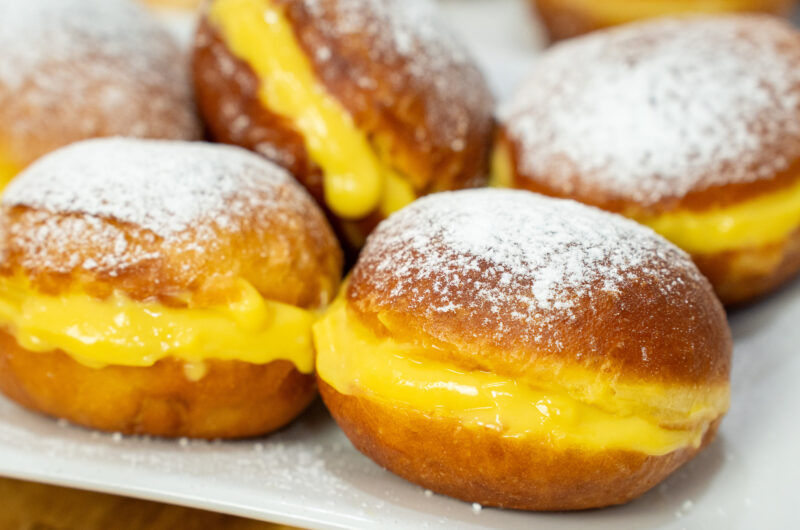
(37, 32)
(162, 186)
(660, 109)
(434, 60)
(50, 232)
(159, 218)
(410, 23)
(516, 255)
(84, 68)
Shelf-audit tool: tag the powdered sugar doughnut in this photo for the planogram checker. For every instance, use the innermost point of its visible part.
(161, 287)
(689, 125)
(77, 69)
(514, 350)
(369, 103)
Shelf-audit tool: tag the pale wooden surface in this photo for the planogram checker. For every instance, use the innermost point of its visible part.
(30, 506)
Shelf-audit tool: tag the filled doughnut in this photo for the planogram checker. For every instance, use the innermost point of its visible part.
(77, 69)
(688, 125)
(161, 287)
(569, 18)
(369, 103)
(520, 351)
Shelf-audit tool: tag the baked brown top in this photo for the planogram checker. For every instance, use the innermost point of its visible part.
(501, 280)
(160, 219)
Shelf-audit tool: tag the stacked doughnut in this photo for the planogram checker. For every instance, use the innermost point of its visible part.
(369, 103)
(688, 125)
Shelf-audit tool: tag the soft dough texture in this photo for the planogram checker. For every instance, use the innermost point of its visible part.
(688, 117)
(551, 294)
(176, 223)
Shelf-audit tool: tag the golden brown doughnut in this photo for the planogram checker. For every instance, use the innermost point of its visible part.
(519, 351)
(569, 18)
(163, 288)
(688, 125)
(77, 69)
(406, 104)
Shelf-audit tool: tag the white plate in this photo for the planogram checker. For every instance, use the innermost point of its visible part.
(309, 475)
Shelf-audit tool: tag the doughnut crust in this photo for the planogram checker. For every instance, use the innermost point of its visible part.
(696, 135)
(74, 69)
(233, 399)
(533, 290)
(75, 222)
(567, 18)
(427, 113)
(492, 470)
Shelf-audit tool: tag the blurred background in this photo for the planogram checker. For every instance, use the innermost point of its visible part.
(521, 28)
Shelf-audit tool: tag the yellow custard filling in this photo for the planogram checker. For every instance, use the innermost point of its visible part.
(753, 223)
(8, 170)
(125, 332)
(609, 12)
(354, 361)
(756, 222)
(356, 182)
